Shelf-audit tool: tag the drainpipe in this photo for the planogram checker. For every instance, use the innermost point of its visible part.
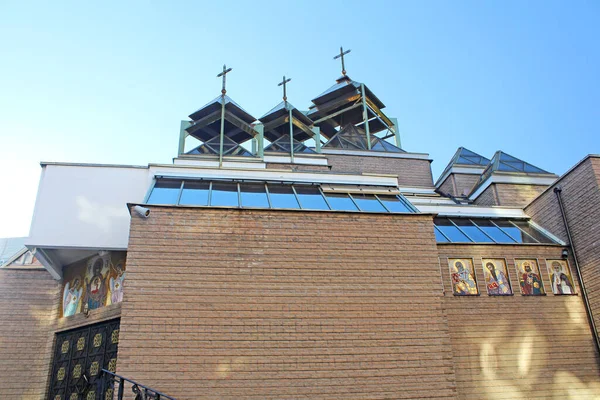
(586, 301)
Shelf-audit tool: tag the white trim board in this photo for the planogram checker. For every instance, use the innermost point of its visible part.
(457, 210)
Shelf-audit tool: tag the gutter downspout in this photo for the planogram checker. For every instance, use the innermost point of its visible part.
(586, 301)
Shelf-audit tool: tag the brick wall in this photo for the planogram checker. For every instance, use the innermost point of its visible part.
(459, 184)
(259, 304)
(517, 347)
(509, 195)
(581, 198)
(28, 309)
(487, 197)
(517, 195)
(298, 167)
(464, 183)
(447, 187)
(411, 172)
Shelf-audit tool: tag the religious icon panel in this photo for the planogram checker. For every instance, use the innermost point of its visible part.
(93, 283)
(560, 277)
(530, 278)
(462, 276)
(496, 277)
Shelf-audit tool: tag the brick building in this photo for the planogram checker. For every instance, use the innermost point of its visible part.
(307, 255)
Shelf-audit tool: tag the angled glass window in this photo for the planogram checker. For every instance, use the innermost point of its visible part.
(195, 193)
(165, 191)
(310, 197)
(531, 231)
(514, 232)
(254, 195)
(282, 196)
(340, 201)
(394, 204)
(224, 194)
(368, 202)
(472, 231)
(451, 231)
(493, 231)
(438, 235)
(481, 230)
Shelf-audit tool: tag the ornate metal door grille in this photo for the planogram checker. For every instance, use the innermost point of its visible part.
(79, 357)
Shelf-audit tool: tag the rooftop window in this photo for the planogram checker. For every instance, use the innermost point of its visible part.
(270, 196)
(503, 231)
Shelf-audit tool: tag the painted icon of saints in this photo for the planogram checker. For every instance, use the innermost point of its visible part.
(72, 297)
(496, 277)
(95, 293)
(530, 279)
(463, 279)
(116, 284)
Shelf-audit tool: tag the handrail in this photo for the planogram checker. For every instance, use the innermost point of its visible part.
(142, 392)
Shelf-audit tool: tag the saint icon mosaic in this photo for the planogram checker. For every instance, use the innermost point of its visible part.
(93, 283)
(463, 277)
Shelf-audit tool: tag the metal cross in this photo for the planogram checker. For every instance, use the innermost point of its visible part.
(341, 55)
(223, 74)
(282, 83)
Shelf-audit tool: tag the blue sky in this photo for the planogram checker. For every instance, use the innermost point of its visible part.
(109, 82)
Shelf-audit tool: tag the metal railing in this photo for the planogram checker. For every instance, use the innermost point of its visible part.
(113, 387)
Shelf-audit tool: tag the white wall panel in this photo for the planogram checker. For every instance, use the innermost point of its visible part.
(85, 206)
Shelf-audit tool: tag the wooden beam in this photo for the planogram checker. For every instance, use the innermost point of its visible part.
(378, 112)
(335, 114)
(209, 119)
(323, 108)
(243, 125)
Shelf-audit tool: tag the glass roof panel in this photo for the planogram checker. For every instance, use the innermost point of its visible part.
(379, 144)
(465, 160)
(537, 235)
(493, 231)
(282, 196)
(438, 236)
(165, 192)
(224, 194)
(254, 195)
(340, 201)
(368, 202)
(472, 231)
(514, 232)
(532, 169)
(310, 198)
(451, 231)
(394, 204)
(195, 193)
(506, 167)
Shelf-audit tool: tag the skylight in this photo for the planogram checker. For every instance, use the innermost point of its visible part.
(503, 231)
(222, 193)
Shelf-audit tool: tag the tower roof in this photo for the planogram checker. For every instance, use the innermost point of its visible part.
(276, 122)
(341, 104)
(465, 157)
(215, 105)
(206, 122)
(504, 163)
(507, 163)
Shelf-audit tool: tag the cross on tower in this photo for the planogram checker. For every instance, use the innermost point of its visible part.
(223, 74)
(341, 55)
(283, 83)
